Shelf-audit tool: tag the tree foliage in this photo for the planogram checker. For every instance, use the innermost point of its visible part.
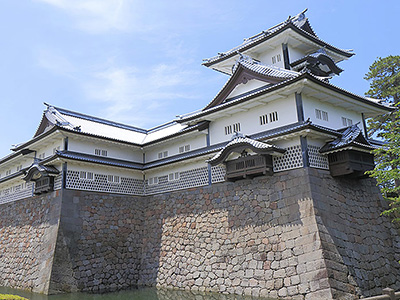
(384, 75)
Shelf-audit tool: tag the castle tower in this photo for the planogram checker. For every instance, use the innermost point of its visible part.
(262, 192)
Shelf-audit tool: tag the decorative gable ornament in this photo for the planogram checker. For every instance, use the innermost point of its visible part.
(246, 165)
(42, 176)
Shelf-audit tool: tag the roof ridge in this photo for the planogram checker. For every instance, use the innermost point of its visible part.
(96, 119)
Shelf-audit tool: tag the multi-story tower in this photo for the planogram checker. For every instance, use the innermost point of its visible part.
(278, 136)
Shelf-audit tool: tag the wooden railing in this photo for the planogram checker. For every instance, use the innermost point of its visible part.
(249, 166)
(388, 294)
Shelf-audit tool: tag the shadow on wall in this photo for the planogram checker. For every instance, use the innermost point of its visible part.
(358, 241)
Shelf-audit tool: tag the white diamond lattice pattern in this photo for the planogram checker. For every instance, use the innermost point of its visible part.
(292, 159)
(217, 174)
(187, 179)
(317, 160)
(17, 192)
(127, 185)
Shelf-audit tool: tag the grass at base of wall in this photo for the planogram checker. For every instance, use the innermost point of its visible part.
(11, 297)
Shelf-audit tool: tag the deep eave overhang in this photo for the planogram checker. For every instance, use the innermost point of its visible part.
(281, 85)
(279, 31)
(200, 126)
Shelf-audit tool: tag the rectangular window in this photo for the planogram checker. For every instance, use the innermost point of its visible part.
(100, 152)
(19, 168)
(185, 148)
(8, 172)
(173, 176)
(263, 119)
(228, 129)
(273, 59)
(347, 122)
(278, 57)
(273, 116)
(153, 180)
(320, 114)
(86, 175)
(236, 127)
(324, 116)
(162, 154)
(113, 179)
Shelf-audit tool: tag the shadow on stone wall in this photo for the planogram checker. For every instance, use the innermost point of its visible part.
(359, 244)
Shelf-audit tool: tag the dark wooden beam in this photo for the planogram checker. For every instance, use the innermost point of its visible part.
(285, 51)
(299, 107)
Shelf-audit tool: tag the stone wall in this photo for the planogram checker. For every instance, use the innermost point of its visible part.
(298, 234)
(98, 243)
(28, 230)
(257, 237)
(361, 248)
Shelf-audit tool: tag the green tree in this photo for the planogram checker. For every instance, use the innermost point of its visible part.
(384, 75)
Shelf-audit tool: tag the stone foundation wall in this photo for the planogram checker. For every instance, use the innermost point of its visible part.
(98, 244)
(361, 248)
(28, 230)
(298, 234)
(256, 237)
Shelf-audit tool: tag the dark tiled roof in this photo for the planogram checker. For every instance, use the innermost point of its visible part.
(270, 71)
(238, 141)
(299, 23)
(350, 136)
(99, 159)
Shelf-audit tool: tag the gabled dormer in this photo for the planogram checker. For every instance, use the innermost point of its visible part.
(249, 76)
(280, 45)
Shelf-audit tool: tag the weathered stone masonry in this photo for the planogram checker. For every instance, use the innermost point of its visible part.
(298, 234)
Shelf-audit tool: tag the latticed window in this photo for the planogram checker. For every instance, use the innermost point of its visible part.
(347, 122)
(185, 148)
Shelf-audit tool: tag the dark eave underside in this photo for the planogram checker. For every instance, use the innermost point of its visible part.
(267, 37)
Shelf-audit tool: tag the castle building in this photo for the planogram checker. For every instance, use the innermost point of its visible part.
(277, 114)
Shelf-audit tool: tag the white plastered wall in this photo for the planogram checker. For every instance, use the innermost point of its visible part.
(335, 113)
(114, 150)
(266, 57)
(172, 146)
(250, 120)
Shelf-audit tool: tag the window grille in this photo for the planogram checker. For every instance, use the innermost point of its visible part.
(347, 122)
(185, 148)
(278, 57)
(263, 119)
(321, 115)
(273, 116)
(100, 152)
(228, 129)
(236, 127)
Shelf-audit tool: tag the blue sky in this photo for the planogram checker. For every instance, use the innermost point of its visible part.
(139, 62)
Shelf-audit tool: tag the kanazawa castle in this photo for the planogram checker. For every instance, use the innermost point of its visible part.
(262, 192)
(277, 111)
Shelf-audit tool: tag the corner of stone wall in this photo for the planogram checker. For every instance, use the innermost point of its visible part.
(358, 243)
(28, 233)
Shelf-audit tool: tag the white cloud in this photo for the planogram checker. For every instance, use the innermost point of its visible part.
(139, 97)
(55, 63)
(97, 16)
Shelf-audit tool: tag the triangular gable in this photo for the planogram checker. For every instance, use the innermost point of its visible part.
(44, 125)
(243, 74)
